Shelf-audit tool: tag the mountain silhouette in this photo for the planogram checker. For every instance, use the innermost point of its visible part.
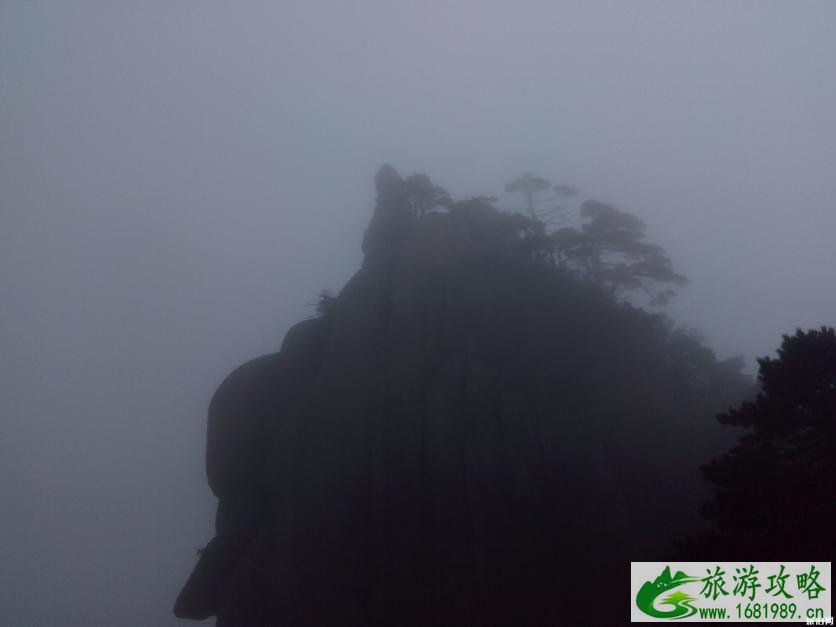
(466, 435)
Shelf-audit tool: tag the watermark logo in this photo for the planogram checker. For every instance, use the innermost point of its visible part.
(679, 601)
(722, 591)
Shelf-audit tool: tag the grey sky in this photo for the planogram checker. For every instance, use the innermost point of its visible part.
(179, 180)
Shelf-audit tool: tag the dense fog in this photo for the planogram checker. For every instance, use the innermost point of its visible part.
(179, 181)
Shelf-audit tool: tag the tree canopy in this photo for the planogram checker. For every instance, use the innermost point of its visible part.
(774, 490)
(609, 247)
(531, 187)
(423, 195)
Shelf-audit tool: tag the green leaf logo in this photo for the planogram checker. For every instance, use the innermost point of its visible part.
(678, 600)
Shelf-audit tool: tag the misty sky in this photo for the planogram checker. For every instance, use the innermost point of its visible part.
(178, 180)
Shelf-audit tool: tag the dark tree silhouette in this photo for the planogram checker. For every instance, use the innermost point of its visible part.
(530, 187)
(423, 195)
(326, 304)
(610, 250)
(571, 245)
(774, 490)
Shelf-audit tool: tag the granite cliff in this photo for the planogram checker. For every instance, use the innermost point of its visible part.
(466, 435)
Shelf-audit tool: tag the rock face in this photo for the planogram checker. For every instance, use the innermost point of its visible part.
(428, 453)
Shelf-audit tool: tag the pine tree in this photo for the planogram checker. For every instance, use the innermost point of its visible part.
(774, 491)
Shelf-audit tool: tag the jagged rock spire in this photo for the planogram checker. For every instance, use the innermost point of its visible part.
(392, 219)
(387, 180)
